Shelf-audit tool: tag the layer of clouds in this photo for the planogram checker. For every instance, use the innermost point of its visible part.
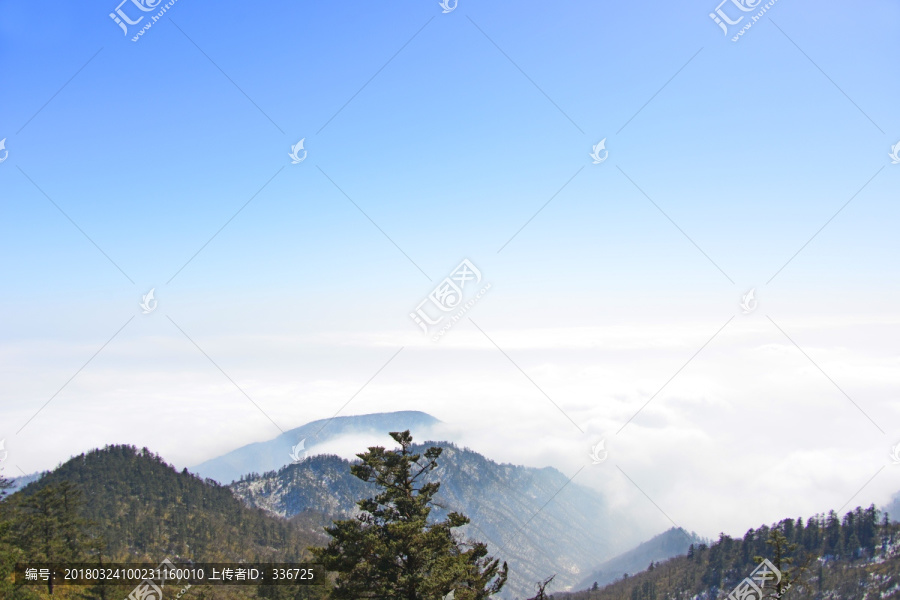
(747, 432)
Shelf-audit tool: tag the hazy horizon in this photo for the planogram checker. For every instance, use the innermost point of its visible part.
(615, 276)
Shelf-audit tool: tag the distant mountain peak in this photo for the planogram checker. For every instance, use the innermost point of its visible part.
(669, 543)
(271, 455)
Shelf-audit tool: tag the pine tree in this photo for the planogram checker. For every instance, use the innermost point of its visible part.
(781, 549)
(9, 553)
(849, 539)
(832, 534)
(391, 551)
(51, 529)
(886, 537)
(72, 527)
(812, 541)
(5, 484)
(868, 530)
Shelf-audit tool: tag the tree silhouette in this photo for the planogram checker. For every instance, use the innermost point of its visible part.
(541, 586)
(50, 528)
(391, 551)
(782, 548)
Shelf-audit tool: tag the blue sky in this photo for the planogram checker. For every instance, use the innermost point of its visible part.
(449, 131)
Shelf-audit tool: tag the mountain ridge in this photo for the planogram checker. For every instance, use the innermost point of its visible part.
(822, 557)
(145, 508)
(259, 457)
(666, 545)
(534, 518)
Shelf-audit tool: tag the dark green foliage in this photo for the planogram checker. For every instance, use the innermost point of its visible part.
(782, 553)
(10, 552)
(123, 505)
(392, 551)
(48, 525)
(885, 532)
(5, 484)
(645, 591)
(146, 510)
(825, 556)
(568, 531)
